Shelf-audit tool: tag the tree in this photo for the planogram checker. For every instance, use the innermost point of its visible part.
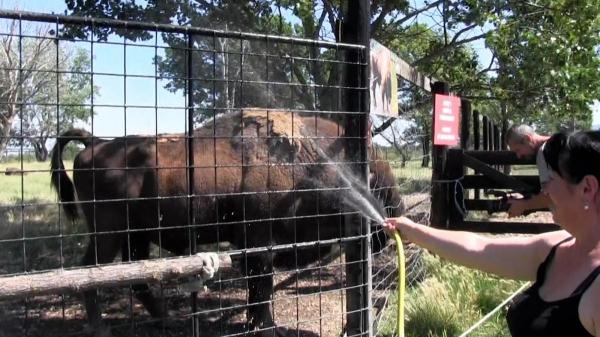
(41, 120)
(234, 73)
(399, 136)
(18, 80)
(543, 64)
(549, 62)
(52, 88)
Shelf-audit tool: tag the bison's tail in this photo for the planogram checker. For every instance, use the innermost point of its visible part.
(60, 180)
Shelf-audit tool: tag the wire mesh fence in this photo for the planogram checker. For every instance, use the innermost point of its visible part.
(174, 140)
(404, 144)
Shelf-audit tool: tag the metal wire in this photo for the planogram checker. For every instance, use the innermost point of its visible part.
(62, 242)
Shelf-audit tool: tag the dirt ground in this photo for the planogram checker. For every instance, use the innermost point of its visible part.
(307, 305)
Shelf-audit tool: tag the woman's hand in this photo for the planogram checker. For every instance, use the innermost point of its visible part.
(390, 225)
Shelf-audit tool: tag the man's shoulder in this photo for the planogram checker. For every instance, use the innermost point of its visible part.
(541, 164)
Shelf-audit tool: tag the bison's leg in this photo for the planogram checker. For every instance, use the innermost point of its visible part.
(106, 246)
(260, 292)
(102, 248)
(139, 249)
(259, 272)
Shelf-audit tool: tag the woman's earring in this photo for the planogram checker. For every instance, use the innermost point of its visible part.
(586, 207)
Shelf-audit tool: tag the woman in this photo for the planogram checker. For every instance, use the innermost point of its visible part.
(565, 298)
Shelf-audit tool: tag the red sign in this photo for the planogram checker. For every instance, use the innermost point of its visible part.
(446, 120)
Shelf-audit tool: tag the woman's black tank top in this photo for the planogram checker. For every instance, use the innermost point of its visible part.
(531, 316)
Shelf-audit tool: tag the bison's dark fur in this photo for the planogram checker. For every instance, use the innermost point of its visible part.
(238, 157)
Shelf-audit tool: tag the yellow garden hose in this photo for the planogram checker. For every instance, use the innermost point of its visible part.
(401, 284)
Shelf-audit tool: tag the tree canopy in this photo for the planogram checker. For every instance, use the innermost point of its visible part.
(543, 66)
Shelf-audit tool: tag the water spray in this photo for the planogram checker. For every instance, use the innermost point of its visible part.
(360, 198)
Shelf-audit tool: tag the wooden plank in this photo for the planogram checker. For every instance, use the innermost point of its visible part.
(506, 180)
(480, 204)
(505, 227)
(483, 182)
(493, 206)
(408, 72)
(500, 158)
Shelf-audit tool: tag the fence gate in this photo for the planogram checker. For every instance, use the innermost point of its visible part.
(480, 165)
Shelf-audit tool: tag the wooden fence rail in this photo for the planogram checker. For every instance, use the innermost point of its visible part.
(205, 265)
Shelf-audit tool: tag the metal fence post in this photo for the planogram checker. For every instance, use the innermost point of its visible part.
(190, 169)
(358, 268)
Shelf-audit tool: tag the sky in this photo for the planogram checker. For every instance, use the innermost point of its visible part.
(139, 93)
(144, 93)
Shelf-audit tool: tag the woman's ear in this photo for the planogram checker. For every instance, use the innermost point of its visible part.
(590, 187)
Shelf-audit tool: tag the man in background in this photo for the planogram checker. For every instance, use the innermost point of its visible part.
(526, 143)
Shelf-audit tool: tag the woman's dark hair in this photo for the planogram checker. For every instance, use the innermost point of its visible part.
(573, 156)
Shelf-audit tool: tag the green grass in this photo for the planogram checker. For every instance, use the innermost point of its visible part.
(34, 185)
(449, 301)
(28, 210)
(412, 178)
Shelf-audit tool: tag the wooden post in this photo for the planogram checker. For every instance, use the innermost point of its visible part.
(476, 141)
(454, 170)
(486, 134)
(503, 135)
(490, 135)
(356, 30)
(497, 144)
(465, 124)
(491, 146)
(492, 140)
(439, 190)
(476, 135)
(465, 144)
(506, 168)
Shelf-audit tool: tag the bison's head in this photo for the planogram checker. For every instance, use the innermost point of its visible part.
(383, 186)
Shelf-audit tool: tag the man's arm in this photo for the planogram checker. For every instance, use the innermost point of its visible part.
(518, 206)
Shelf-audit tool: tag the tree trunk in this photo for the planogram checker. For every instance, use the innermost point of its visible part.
(425, 147)
(6, 120)
(41, 152)
(4, 138)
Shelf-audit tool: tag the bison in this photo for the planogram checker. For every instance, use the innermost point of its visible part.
(260, 179)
